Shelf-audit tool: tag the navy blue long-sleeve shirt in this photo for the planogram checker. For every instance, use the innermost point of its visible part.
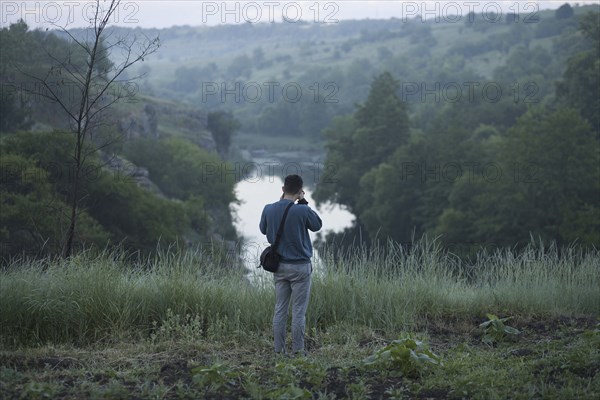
(294, 246)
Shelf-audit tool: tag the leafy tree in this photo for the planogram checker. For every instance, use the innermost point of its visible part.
(564, 12)
(241, 66)
(25, 196)
(14, 111)
(33, 215)
(548, 188)
(580, 86)
(134, 217)
(553, 27)
(383, 122)
(259, 59)
(403, 197)
(561, 146)
(337, 184)
(87, 69)
(50, 151)
(271, 120)
(316, 114)
(222, 125)
(17, 44)
(361, 142)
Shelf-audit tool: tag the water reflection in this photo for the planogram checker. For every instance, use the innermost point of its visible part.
(254, 192)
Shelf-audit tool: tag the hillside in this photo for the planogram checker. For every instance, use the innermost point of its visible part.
(140, 177)
(290, 79)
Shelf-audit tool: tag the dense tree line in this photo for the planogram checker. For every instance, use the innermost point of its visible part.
(189, 203)
(480, 174)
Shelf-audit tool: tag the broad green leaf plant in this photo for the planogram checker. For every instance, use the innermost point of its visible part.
(407, 357)
(496, 331)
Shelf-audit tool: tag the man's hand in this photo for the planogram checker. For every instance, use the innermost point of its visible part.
(301, 199)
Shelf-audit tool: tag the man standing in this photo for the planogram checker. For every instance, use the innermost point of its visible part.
(293, 278)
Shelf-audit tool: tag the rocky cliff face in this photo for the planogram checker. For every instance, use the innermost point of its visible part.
(140, 124)
(155, 120)
(126, 169)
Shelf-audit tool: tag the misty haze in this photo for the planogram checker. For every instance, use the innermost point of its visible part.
(425, 175)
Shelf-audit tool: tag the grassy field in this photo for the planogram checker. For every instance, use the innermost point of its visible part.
(183, 325)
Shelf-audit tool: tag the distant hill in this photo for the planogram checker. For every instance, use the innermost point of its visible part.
(290, 79)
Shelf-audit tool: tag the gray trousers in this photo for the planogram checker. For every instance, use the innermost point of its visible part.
(292, 281)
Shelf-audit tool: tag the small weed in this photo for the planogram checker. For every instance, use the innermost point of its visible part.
(357, 390)
(215, 377)
(495, 331)
(175, 327)
(395, 393)
(254, 389)
(405, 356)
(285, 374)
(314, 374)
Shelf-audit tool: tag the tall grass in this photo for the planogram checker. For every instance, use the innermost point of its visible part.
(109, 296)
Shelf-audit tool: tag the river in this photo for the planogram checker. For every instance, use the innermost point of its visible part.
(261, 184)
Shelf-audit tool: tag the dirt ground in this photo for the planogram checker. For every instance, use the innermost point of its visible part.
(170, 374)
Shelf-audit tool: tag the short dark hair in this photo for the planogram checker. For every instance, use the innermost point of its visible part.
(293, 184)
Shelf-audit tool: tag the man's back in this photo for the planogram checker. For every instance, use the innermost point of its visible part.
(295, 246)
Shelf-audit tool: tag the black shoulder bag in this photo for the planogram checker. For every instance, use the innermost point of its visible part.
(269, 259)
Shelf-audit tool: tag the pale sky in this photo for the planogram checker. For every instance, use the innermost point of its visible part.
(164, 14)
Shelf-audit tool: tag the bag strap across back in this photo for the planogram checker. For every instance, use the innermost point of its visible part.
(281, 225)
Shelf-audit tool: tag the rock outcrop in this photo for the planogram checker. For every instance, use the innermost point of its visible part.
(124, 169)
(157, 119)
(140, 124)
